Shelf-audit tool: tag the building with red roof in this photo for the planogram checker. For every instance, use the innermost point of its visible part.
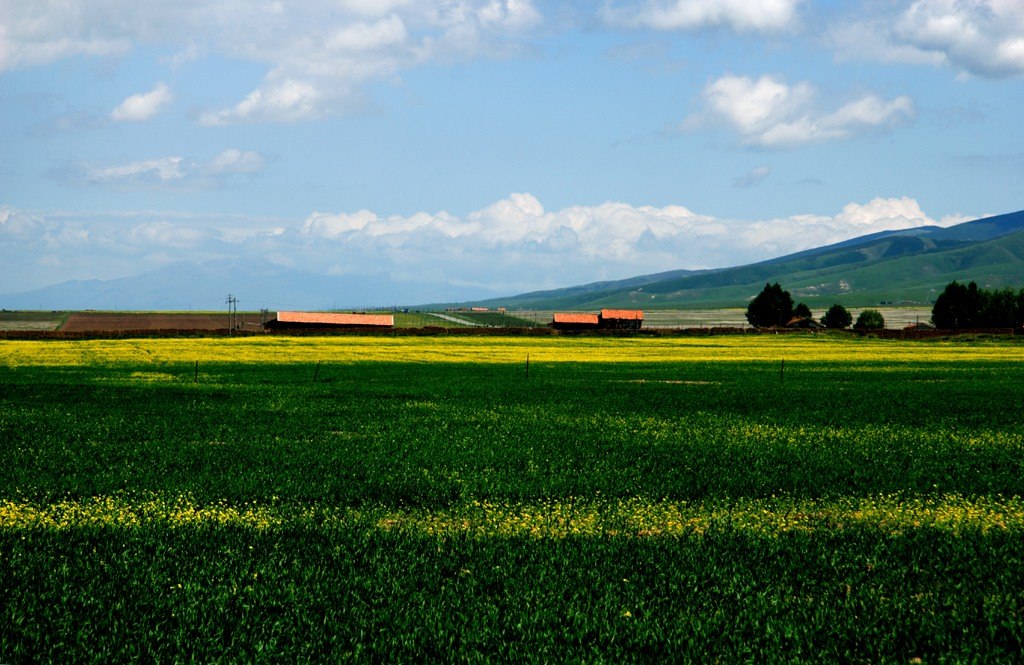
(575, 321)
(306, 320)
(622, 319)
(608, 319)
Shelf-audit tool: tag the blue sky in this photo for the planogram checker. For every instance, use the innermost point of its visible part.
(498, 146)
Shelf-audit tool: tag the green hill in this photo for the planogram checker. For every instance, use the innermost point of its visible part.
(911, 266)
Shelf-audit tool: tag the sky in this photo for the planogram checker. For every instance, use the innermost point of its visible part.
(496, 146)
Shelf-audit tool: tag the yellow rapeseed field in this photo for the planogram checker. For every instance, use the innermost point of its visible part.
(471, 349)
(555, 518)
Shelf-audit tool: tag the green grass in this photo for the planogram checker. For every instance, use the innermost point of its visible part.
(859, 511)
(491, 319)
(415, 320)
(498, 319)
(31, 320)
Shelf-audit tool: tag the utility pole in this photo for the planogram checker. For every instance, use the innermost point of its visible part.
(232, 312)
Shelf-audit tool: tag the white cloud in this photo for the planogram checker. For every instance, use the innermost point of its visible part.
(33, 33)
(277, 101)
(872, 39)
(21, 225)
(166, 236)
(512, 245)
(610, 239)
(792, 234)
(984, 37)
(513, 15)
(142, 106)
(162, 170)
(979, 37)
(770, 113)
(320, 72)
(753, 177)
(234, 160)
(739, 15)
(332, 226)
(318, 53)
(883, 214)
(361, 36)
(173, 172)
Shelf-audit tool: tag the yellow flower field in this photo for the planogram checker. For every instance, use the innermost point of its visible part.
(556, 518)
(472, 349)
(389, 498)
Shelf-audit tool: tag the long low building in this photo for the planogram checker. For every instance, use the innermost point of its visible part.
(306, 320)
(608, 319)
(574, 321)
(622, 319)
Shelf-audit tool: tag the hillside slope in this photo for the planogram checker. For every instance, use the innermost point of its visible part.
(894, 266)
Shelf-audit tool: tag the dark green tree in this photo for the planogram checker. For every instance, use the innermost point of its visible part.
(837, 317)
(1000, 309)
(803, 311)
(870, 319)
(772, 307)
(958, 306)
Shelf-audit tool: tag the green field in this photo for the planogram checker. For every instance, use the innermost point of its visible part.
(459, 319)
(401, 499)
(35, 320)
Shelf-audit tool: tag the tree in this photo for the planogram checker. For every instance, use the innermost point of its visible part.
(837, 317)
(870, 319)
(772, 307)
(999, 310)
(958, 306)
(803, 311)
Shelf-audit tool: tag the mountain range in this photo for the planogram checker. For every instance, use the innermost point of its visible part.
(256, 283)
(910, 266)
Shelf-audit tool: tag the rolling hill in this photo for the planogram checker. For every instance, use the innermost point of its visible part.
(910, 266)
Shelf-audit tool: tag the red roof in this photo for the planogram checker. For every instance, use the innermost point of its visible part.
(576, 317)
(334, 319)
(623, 314)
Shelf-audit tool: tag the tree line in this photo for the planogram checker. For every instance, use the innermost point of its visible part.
(958, 306)
(774, 307)
(967, 306)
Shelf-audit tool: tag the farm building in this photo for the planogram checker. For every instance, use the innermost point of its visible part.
(621, 319)
(574, 321)
(308, 320)
(608, 319)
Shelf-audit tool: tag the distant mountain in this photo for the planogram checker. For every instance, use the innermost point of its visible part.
(911, 265)
(257, 284)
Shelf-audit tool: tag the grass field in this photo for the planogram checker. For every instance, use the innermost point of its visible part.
(401, 499)
(91, 321)
(31, 320)
(735, 317)
(895, 317)
(458, 319)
